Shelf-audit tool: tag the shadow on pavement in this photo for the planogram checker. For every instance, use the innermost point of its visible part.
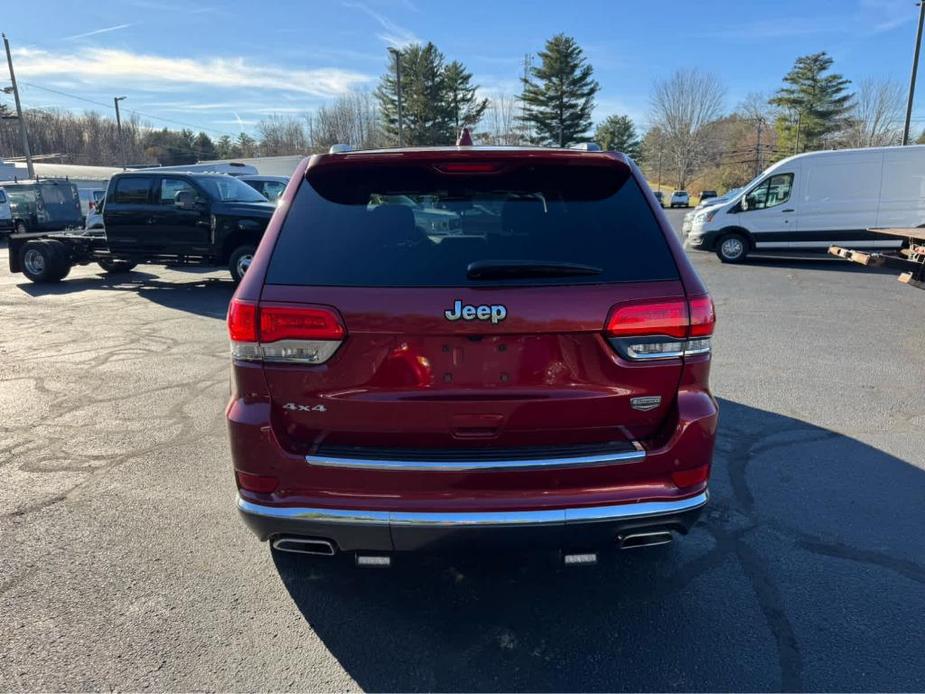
(804, 573)
(208, 296)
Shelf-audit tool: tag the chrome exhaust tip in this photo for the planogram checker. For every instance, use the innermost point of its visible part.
(299, 545)
(646, 539)
(374, 561)
(580, 559)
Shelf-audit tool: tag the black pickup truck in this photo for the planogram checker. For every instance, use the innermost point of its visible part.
(150, 217)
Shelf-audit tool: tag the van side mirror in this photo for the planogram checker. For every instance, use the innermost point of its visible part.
(184, 200)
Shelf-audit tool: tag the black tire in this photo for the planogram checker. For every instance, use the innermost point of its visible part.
(115, 266)
(45, 260)
(239, 260)
(732, 248)
(21, 227)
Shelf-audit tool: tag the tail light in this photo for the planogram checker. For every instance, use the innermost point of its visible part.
(662, 329)
(283, 333)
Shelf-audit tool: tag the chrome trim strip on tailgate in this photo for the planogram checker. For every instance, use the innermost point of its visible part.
(591, 514)
(615, 458)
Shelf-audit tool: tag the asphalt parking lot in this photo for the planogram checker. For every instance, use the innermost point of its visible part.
(123, 564)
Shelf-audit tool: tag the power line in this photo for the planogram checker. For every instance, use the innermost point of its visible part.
(130, 110)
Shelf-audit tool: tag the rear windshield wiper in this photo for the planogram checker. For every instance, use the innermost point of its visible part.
(504, 269)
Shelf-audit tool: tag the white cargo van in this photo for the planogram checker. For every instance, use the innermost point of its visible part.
(810, 201)
(6, 213)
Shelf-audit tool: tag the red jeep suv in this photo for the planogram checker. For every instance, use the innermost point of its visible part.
(469, 347)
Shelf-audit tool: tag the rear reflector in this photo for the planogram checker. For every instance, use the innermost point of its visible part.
(283, 333)
(689, 478)
(256, 483)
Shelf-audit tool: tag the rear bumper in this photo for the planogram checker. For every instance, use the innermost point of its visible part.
(386, 531)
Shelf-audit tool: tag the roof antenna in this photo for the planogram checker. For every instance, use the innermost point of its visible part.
(464, 139)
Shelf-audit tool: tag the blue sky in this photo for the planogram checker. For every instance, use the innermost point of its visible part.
(223, 65)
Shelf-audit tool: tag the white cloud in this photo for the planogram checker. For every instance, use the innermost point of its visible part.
(393, 34)
(104, 30)
(137, 70)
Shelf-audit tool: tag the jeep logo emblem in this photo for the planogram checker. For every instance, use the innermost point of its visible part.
(495, 312)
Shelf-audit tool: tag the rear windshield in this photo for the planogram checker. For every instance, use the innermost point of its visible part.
(404, 226)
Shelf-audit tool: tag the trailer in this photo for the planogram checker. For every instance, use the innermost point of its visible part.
(909, 260)
(49, 256)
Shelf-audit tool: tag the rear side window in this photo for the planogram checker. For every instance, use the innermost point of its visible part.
(2, 197)
(132, 190)
(406, 226)
(171, 187)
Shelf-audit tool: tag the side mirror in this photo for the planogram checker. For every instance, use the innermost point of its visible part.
(184, 200)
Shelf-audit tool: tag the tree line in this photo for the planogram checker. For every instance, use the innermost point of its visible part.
(690, 136)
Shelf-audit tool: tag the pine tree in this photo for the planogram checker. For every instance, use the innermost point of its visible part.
(618, 134)
(426, 115)
(246, 145)
(815, 104)
(224, 148)
(204, 148)
(558, 96)
(465, 108)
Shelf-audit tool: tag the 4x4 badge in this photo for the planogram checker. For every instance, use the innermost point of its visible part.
(494, 312)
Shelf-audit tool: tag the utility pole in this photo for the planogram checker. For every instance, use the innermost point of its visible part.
(397, 54)
(796, 145)
(528, 63)
(22, 121)
(758, 147)
(915, 67)
(115, 101)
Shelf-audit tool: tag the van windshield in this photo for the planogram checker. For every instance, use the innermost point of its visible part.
(413, 226)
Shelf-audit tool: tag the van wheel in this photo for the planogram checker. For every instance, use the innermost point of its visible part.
(45, 260)
(21, 227)
(240, 261)
(114, 266)
(732, 248)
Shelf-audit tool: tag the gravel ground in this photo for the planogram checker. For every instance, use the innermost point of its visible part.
(123, 564)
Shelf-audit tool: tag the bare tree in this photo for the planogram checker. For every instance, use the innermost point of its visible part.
(500, 124)
(681, 107)
(72, 138)
(352, 119)
(281, 135)
(876, 117)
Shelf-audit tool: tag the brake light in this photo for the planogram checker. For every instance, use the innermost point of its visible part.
(703, 316)
(242, 321)
(468, 167)
(283, 333)
(662, 329)
(659, 318)
(296, 323)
